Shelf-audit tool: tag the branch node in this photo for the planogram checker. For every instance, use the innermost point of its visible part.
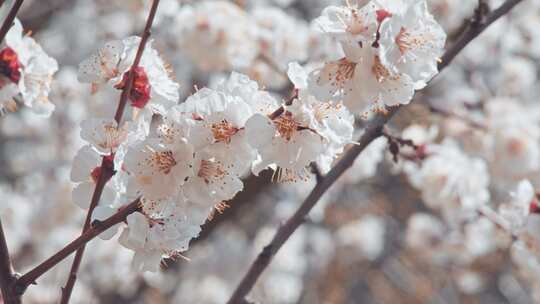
(316, 171)
(267, 253)
(19, 289)
(480, 14)
(95, 223)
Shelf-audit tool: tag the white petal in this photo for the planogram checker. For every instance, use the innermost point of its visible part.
(82, 194)
(102, 213)
(86, 160)
(298, 75)
(259, 130)
(138, 229)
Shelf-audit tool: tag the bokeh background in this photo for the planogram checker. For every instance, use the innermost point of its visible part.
(356, 245)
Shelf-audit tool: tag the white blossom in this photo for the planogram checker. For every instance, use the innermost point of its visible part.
(28, 71)
(85, 171)
(217, 35)
(152, 84)
(159, 169)
(414, 42)
(451, 181)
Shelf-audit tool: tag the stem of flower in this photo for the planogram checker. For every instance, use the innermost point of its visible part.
(144, 38)
(373, 131)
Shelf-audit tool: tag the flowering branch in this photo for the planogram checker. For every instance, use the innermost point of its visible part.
(96, 228)
(144, 38)
(7, 277)
(107, 168)
(373, 131)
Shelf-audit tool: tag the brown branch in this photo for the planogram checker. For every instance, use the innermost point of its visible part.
(475, 29)
(263, 57)
(107, 170)
(30, 277)
(144, 38)
(9, 19)
(373, 131)
(7, 276)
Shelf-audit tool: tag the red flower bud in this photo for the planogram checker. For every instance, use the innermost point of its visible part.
(139, 94)
(10, 65)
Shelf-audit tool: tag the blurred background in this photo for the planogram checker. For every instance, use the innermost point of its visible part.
(371, 239)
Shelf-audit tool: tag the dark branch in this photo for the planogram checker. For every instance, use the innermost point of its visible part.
(9, 19)
(475, 29)
(107, 171)
(7, 276)
(373, 131)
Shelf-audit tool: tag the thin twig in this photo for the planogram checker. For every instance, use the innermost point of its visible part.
(273, 65)
(107, 171)
(30, 277)
(9, 19)
(468, 120)
(7, 276)
(373, 131)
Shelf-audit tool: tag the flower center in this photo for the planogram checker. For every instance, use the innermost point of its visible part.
(516, 147)
(286, 125)
(338, 73)
(379, 70)
(139, 94)
(162, 161)
(324, 110)
(10, 65)
(210, 170)
(113, 137)
(345, 70)
(404, 41)
(223, 131)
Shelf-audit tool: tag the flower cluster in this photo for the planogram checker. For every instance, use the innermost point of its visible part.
(282, 87)
(195, 157)
(390, 49)
(183, 160)
(25, 73)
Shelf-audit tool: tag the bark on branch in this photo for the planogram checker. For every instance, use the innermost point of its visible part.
(106, 171)
(7, 275)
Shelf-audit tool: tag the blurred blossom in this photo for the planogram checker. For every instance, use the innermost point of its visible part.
(235, 107)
